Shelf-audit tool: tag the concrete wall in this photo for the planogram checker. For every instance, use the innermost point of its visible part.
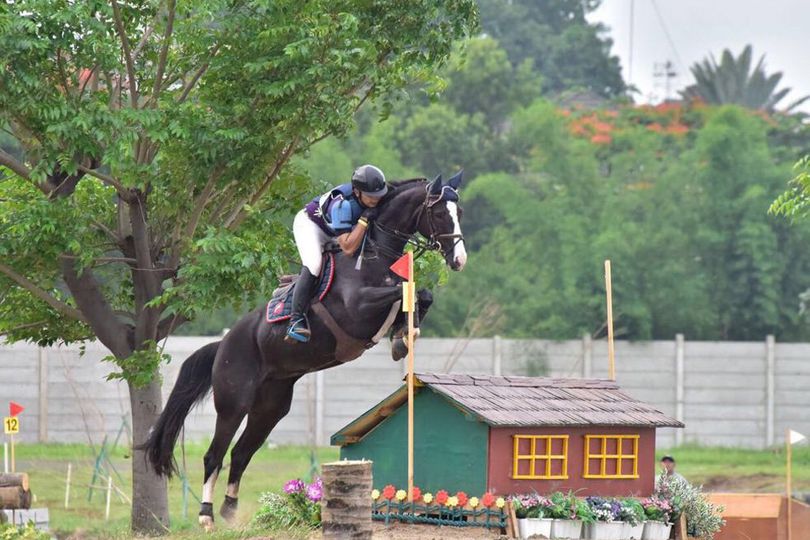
(727, 393)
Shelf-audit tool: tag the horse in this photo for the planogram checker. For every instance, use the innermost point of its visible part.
(253, 370)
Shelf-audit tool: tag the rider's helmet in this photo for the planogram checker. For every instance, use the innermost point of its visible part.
(370, 181)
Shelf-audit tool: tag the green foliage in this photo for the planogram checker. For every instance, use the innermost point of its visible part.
(29, 532)
(733, 81)
(284, 512)
(566, 49)
(140, 367)
(703, 519)
(795, 202)
(569, 506)
(151, 148)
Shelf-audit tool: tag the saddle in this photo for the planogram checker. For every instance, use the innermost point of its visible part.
(279, 308)
(348, 348)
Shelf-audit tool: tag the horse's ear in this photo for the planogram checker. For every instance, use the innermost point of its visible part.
(455, 180)
(436, 186)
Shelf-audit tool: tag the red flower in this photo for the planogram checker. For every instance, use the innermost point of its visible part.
(462, 498)
(389, 491)
(441, 496)
(655, 126)
(601, 138)
(488, 499)
(677, 129)
(416, 493)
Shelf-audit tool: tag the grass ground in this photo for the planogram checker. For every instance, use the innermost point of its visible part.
(718, 469)
(47, 464)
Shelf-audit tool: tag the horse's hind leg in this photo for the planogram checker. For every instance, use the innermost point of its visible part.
(227, 424)
(272, 403)
(399, 333)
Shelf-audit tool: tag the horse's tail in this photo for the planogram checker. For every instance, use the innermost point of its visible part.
(191, 387)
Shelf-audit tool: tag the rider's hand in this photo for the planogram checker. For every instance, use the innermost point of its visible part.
(370, 213)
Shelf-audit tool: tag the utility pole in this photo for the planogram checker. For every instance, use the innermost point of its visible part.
(630, 52)
(667, 72)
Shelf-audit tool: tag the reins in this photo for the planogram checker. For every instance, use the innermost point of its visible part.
(421, 245)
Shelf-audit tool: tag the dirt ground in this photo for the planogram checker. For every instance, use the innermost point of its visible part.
(403, 531)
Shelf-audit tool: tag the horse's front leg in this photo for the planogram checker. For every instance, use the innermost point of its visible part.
(399, 331)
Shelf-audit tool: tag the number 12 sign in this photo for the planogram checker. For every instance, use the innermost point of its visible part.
(11, 425)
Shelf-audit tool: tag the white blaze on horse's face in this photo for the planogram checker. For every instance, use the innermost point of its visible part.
(459, 251)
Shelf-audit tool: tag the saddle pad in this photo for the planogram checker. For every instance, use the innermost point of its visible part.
(279, 308)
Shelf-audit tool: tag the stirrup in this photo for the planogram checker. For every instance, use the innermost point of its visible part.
(298, 330)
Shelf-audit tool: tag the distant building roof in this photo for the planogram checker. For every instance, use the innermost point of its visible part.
(523, 402)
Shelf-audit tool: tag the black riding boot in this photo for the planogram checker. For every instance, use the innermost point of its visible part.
(298, 330)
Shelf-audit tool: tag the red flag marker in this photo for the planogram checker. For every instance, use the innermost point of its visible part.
(401, 267)
(14, 408)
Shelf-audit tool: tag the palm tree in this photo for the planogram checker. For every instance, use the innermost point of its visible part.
(732, 81)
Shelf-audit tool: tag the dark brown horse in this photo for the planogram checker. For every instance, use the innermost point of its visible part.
(253, 370)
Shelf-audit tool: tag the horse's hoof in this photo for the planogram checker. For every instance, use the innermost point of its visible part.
(399, 349)
(228, 508)
(207, 523)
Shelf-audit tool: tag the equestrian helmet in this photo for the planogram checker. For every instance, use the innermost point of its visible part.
(370, 181)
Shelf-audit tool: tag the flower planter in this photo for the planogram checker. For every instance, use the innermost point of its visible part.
(601, 530)
(566, 528)
(529, 527)
(656, 530)
(633, 532)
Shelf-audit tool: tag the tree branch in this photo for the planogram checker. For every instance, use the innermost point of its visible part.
(164, 51)
(119, 24)
(42, 294)
(18, 168)
(199, 205)
(238, 215)
(109, 180)
(203, 68)
(100, 315)
(169, 324)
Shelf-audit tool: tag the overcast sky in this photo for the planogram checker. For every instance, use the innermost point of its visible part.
(779, 29)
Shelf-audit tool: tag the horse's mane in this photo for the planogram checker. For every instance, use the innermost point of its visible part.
(398, 187)
(407, 182)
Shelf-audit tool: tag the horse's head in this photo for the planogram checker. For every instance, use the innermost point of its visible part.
(440, 222)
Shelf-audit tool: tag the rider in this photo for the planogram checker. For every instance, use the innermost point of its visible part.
(343, 214)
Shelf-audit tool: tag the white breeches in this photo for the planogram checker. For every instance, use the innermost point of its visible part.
(310, 239)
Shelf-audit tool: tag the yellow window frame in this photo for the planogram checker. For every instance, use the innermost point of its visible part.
(533, 457)
(603, 456)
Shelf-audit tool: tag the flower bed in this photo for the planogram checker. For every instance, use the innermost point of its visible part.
(440, 508)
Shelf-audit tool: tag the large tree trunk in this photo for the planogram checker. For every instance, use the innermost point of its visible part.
(150, 503)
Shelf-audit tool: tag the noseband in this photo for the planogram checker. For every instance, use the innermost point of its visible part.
(421, 245)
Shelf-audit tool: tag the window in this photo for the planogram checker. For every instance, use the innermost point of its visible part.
(540, 457)
(611, 456)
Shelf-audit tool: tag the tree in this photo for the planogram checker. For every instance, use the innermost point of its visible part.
(153, 171)
(732, 82)
(566, 49)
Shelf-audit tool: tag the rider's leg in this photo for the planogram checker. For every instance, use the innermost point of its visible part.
(309, 239)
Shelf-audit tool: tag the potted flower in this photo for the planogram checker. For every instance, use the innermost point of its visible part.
(531, 512)
(569, 513)
(658, 513)
(607, 523)
(632, 513)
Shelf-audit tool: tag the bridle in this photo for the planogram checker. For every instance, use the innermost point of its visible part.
(420, 244)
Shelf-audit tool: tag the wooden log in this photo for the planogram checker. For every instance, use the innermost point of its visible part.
(14, 480)
(346, 503)
(13, 498)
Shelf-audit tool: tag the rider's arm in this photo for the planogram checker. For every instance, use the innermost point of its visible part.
(349, 235)
(349, 242)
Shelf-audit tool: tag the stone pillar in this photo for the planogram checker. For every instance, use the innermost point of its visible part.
(346, 504)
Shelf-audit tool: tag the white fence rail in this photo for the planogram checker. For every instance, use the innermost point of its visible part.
(728, 393)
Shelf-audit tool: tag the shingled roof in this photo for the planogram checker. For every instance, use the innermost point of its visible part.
(523, 401)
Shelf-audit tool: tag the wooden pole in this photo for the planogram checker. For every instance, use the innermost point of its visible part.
(346, 504)
(611, 351)
(109, 497)
(67, 485)
(788, 484)
(411, 308)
